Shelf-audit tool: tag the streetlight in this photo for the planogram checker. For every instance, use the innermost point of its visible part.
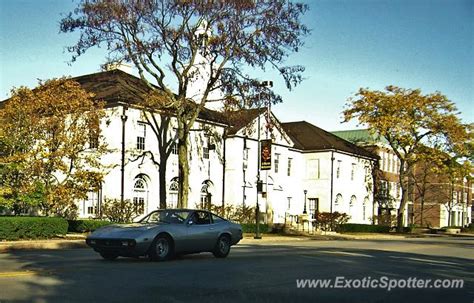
(262, 84)
(304, 209)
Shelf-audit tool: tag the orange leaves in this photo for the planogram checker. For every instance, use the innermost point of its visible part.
(44, 133)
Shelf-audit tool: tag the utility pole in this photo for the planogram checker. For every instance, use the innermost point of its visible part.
(263, 84)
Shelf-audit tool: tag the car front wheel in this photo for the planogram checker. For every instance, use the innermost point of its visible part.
(161, 249)
(222, 248)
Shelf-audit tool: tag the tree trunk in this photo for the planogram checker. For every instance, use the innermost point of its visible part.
(162, 181)
(422, 209)
(183, 167)
(403, 202)
(401, 211)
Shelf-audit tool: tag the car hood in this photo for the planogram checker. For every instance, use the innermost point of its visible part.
(122, 230)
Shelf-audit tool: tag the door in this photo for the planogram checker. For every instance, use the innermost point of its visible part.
(202, 234)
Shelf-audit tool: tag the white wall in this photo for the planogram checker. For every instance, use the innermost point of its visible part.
(284, 194)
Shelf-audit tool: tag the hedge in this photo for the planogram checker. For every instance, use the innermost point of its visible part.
(15, 228)
(250, 228)
(469, 229)
(82, 226)
(362, 228)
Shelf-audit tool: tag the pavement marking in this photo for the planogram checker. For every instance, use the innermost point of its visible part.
(12, 274)
(430, 261)
(345, 253)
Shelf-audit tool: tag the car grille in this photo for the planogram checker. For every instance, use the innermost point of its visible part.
(110, 242)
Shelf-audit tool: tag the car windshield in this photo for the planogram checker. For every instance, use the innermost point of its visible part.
(166, 216)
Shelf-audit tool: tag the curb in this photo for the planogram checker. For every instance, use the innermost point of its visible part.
(41, 244)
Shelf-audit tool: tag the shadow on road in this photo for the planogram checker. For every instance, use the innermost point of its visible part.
(251, 273)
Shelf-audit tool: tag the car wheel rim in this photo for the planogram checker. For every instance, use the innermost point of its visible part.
(162, 247)
(223, 245)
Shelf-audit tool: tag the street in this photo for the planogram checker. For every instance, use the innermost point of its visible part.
(255, 271)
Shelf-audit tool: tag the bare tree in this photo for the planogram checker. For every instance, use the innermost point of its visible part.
(184, 44)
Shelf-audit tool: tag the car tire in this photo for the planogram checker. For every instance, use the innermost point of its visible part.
(161, 248)
(222, 248)
(108, 256)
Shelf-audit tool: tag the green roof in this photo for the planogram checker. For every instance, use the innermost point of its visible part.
(360, 136)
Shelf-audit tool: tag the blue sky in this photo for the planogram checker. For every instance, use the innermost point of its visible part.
(426, 44)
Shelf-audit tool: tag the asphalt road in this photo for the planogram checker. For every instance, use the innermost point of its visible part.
(264, 271)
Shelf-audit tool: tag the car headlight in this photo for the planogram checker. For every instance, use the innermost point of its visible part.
(129, 243)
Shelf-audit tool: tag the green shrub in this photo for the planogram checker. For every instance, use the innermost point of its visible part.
(362, 228)
(329, 221)
(82, 226)
(250, 228)
(15, 228)
(469, 229)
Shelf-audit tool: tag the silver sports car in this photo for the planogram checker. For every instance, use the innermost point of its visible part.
(164, 233)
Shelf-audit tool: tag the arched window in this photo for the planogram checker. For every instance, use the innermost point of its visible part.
(207, 190)
(364, 208)
(338, 202)
(140, 194)
(352, 202)
(173, 193)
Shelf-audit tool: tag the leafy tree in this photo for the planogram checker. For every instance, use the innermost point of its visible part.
(51, 147)
(194, 51)
(410, 121)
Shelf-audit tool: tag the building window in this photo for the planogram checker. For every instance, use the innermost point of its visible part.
(93, 139)
(337, 202)
(277, 162)
(313, 207)
(205, 152)
(94, 131)
(174, 149)
(140, 195)
(338, 169)
(91, 204)
(353, 171)
(352, 202)
(364, 208)
(289, 166)
(141, 136)
(205, 148)
(206, 194)
(173, 193)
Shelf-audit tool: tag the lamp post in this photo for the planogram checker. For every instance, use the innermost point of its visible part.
(262, 84)
(304, 209)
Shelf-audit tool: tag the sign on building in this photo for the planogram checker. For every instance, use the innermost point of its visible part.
(266, 154)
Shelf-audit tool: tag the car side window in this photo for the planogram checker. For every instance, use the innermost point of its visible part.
(201, 218)
(217, 219)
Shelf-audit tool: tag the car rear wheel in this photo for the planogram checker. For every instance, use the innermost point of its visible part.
(222, 248)
(161, 249)
(108, 256)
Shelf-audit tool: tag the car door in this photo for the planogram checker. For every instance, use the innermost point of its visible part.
(201, 232)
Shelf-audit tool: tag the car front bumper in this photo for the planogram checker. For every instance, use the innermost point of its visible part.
(122, 247)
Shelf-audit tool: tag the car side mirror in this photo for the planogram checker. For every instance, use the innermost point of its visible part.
(190, 222)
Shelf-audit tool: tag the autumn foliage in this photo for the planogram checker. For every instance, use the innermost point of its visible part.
(50, 148)
(415, 125)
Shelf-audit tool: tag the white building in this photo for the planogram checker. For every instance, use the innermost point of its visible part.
(311, 169)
